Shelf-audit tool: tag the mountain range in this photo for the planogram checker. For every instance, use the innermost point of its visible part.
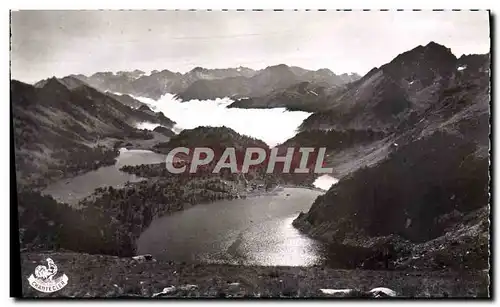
(201, 83)
(412, 82)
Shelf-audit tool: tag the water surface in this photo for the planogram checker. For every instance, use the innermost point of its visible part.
(75, 189)
(255, 230)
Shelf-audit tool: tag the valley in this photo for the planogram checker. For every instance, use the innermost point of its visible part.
(408, 143)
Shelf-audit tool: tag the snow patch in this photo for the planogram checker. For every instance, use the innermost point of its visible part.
(325, 182)
(146, 125)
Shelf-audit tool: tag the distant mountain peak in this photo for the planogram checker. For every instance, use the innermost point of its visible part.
(278, 67)
(433, 44)
(103, 74)
(325, 71)
(164, 72)
(425, 63)
(51, 82)
(131, 74)
(69, 82)
(431, 51)
(198, 68)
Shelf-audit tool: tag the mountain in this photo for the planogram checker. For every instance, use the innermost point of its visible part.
(217, 138)
(233, 87)
(130, 83)
(309, 91)
(63, 126)
(69, 82)
(271, 81)
(158, 83)
(413, 189)
(432, 192)
(348, 78)
(457, 100)
(127, 100)
(202, 83)
(324, 75)
(412, 81)
(303, 96)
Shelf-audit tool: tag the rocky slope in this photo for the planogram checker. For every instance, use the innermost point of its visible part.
(421, 192)
(97, 276)
(303, 96)
(445, 93)
(422, 202)
(127, 100)
(64, 126)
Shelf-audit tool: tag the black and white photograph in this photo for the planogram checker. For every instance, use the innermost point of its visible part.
(229, 154)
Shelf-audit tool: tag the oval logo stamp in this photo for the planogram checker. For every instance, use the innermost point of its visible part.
(45, 280)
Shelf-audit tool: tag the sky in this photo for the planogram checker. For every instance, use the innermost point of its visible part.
(59, 43)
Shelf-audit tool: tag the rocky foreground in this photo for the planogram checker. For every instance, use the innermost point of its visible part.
(108, 276)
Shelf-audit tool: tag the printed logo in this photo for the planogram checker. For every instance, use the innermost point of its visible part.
(44, 279)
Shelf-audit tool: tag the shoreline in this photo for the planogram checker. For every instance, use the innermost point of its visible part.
(281, 188)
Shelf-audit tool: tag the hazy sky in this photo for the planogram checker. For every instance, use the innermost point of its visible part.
(48, 43)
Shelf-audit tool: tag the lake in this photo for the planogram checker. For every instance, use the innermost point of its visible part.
(253, 231)
(72, 190)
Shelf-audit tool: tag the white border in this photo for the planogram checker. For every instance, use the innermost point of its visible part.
(184, 4)
(255, 4)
